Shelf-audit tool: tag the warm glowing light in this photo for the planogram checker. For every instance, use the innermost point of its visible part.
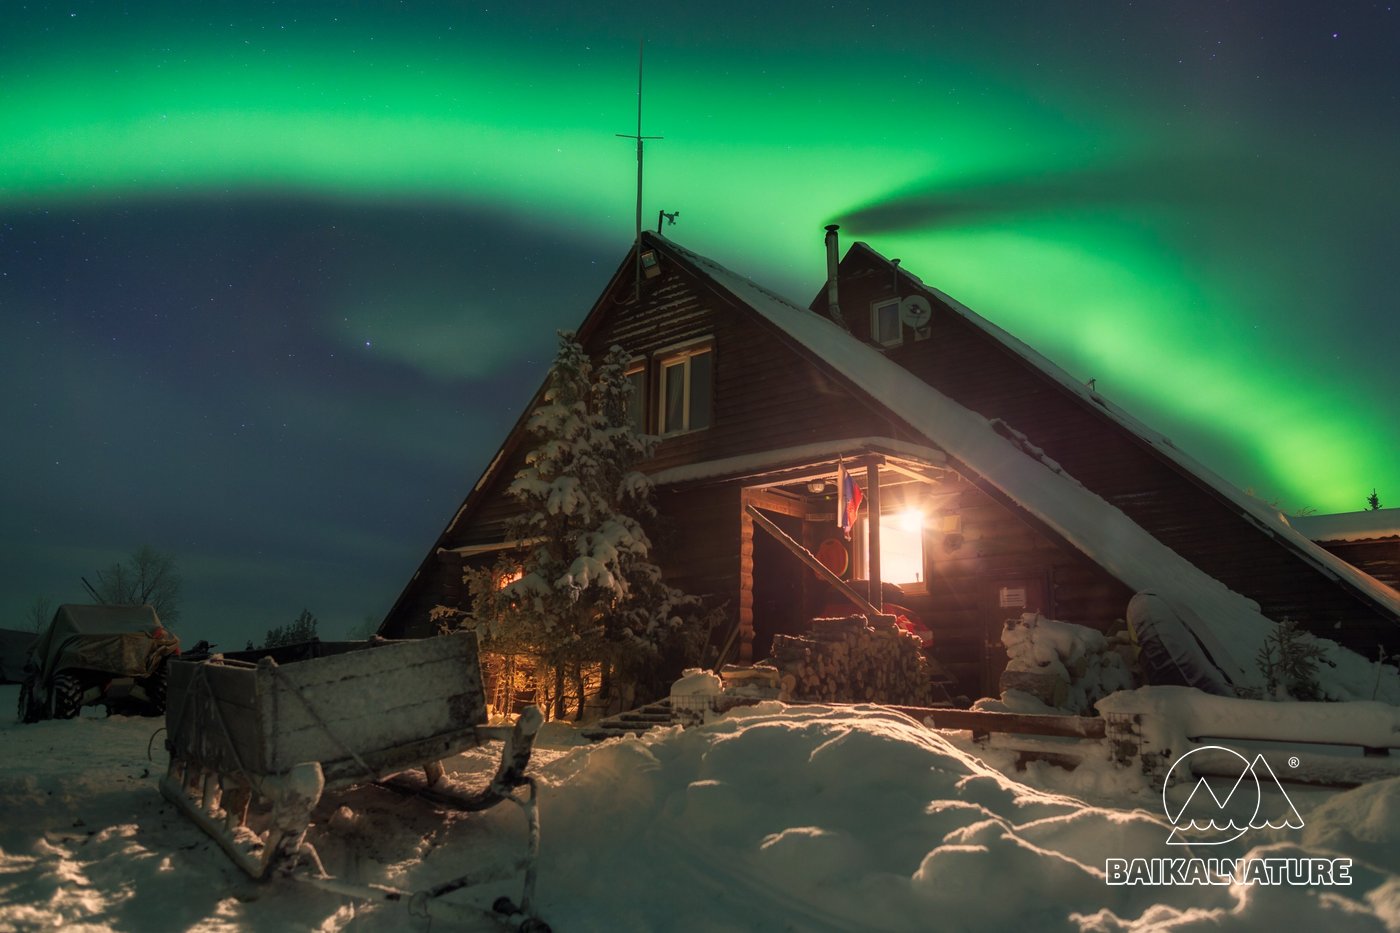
(902, 547)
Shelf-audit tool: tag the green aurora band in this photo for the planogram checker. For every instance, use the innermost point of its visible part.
(1179, 321)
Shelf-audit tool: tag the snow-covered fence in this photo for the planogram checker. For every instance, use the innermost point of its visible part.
(1338, 744)
(1060, 740)
(983, 724)
(1331, 744)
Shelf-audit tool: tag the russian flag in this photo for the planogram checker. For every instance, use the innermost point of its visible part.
(848, 499)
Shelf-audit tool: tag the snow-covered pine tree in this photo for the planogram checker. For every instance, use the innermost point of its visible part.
(587, 590)
(1288, 659)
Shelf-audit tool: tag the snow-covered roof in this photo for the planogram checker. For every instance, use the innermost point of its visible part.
(473, 550)
(1234, 626)
(1252, 508)
(1349, 526)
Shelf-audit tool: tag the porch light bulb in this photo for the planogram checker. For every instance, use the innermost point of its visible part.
(911, 520)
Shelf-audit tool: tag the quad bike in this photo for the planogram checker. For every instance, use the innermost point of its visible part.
(110, 655)
(256, 739)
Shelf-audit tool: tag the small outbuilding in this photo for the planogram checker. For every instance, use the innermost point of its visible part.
(14, 648)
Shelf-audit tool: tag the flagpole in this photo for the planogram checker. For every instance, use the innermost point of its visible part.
(841, 498)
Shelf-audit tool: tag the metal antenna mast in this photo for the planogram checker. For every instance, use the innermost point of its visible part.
(639, 137)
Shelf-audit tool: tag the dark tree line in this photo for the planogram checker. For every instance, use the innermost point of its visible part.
(293, 633)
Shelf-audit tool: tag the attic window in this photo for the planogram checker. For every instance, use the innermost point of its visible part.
(649, 264)
(686, 391)
(884, 323)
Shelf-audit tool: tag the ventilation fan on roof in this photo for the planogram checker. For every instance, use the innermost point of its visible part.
(915, 312)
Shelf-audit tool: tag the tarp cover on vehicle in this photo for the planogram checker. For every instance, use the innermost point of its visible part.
(1169, 653)
(126, 641)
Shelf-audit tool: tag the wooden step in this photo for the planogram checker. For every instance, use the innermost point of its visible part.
(632, 722)
(600, 735)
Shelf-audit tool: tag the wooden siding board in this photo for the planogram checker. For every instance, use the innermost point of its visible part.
(1379, 558)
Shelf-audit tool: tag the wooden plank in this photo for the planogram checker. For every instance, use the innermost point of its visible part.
(211, 716)
(409, 692)
(370, 737)
(984, 723)
(328, 675)
(316, 710)
(913, 474)
(382, 762)
(872, 490)
(776, 502)
(806, 557)
(364, 725)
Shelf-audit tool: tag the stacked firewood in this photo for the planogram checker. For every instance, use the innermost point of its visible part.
(850, 660)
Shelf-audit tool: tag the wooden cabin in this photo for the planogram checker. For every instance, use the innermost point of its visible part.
(1368, 540)
(1001, 485)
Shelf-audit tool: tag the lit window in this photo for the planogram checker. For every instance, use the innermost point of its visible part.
(901, 547)
(637, 402)
(884, 323)
(686, 390)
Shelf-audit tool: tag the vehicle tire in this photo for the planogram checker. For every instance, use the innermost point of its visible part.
(156, 686)
(65, 696)
(27, 710)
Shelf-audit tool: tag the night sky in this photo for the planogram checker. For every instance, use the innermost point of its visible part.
(275, 279)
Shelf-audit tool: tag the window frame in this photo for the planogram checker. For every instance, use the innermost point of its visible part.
(670, 357)
(641, 397)
(875, 308)
(860, 558)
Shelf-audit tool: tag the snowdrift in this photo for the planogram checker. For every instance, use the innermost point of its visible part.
(771, 818)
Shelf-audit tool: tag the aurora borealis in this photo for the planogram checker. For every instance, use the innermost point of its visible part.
(275, 279)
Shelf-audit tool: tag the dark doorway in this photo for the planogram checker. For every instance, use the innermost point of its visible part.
(777, 586)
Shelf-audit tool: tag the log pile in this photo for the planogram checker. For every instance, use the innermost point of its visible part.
(847, 660)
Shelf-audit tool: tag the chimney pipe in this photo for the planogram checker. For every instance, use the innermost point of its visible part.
(833, 306)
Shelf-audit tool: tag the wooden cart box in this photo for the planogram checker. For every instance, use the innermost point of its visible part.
(362, 709)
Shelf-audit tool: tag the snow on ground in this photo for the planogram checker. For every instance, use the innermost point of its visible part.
(771, 818)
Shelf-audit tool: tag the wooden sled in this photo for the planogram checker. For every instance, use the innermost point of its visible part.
(254, 744)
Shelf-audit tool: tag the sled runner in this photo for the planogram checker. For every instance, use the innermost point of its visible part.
(256, 738)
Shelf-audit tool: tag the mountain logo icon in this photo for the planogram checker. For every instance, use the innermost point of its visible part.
(1207, 819)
